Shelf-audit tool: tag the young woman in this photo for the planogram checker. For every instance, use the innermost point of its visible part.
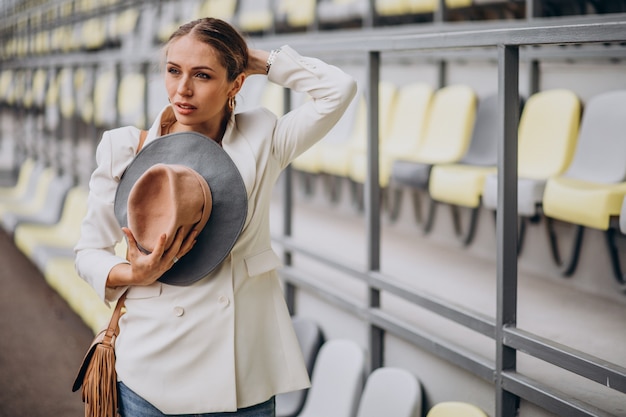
(223, 343)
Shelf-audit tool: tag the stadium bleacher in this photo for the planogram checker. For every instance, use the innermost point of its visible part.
(71, 69)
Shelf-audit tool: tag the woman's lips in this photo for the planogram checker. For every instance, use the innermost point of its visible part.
(185, 108)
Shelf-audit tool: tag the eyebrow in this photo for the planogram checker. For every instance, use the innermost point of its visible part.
(200, 67)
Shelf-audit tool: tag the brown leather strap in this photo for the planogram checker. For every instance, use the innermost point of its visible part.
(112, 328)
(115, 317)
(142, 138)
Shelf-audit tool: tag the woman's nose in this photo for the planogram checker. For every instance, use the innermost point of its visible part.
(184, 87)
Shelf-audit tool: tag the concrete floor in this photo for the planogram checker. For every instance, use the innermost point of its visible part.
(42, 344)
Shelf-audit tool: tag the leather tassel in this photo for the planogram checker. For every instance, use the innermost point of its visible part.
(100, 384)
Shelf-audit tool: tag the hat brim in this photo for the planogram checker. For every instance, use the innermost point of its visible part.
(230, 201)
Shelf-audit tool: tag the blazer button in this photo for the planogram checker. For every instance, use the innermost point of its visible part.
(223, 300)
(179, 311)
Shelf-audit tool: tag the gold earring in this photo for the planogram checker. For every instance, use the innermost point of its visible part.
(231, 103)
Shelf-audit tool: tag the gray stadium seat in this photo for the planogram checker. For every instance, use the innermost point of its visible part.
(392, 392)
(311, 339)
(337, 380)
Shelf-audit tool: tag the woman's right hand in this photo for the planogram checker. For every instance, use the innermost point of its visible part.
(145, 269)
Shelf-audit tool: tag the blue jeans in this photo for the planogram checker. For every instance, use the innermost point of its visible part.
(132, 405)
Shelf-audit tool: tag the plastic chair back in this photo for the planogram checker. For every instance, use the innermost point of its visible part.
(483, 147)
(547, 134)
(272, 98)
(409, 119)
(23, 179)
(601, 146)
(255, 15)
(310, 338)
(455, 409)
(387, 99)
(337, 380)
(450, 125)
(104, 99)
(340, 11)
(391, 392)
(131, 100)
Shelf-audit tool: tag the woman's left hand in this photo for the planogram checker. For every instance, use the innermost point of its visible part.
(257, 60)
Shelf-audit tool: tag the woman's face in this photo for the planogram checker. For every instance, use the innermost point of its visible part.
(197, 85)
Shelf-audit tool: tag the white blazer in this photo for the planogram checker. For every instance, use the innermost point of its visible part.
(226, 341)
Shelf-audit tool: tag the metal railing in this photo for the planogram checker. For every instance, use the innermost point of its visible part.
(510, 386)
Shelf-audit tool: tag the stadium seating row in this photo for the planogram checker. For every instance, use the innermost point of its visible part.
(440, 143)
(444, 143)
(112, 23)
(342, 388)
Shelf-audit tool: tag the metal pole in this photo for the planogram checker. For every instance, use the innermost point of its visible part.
(506, 223)
(290, 289)
(372, 201)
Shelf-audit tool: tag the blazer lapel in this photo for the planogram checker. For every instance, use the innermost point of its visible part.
(239, 150)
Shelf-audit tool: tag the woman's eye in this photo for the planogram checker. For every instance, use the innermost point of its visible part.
(203, 75)
(172, 70)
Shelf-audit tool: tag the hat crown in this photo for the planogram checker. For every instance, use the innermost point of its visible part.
(167, 198)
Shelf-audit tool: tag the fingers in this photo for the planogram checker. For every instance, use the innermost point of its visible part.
(181, 245)
(160, 258)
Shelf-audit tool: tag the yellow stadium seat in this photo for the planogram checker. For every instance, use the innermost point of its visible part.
(462, 183)
(33, 202)
(445, 141)
(48, 211)
(17, 191)
(293, 14)
(61, 275)
(104, 99)
(310, 160)
(125, 22)
(455, 409)
(255, 16)
(336, 157)
(131, 100)
(391, 7)
(40, 79)
(65, 233)
(406, 131)
(422, 6)
(458, 3)
(272, 98)
(547, 135)
(447, 136)
(6, 81)
(220, 9)
(83, 86)
(66, 93)
(590, 193)
(94, 33)
(168, 20)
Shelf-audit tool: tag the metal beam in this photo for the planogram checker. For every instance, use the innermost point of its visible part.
(601, 371)
(506, 222)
